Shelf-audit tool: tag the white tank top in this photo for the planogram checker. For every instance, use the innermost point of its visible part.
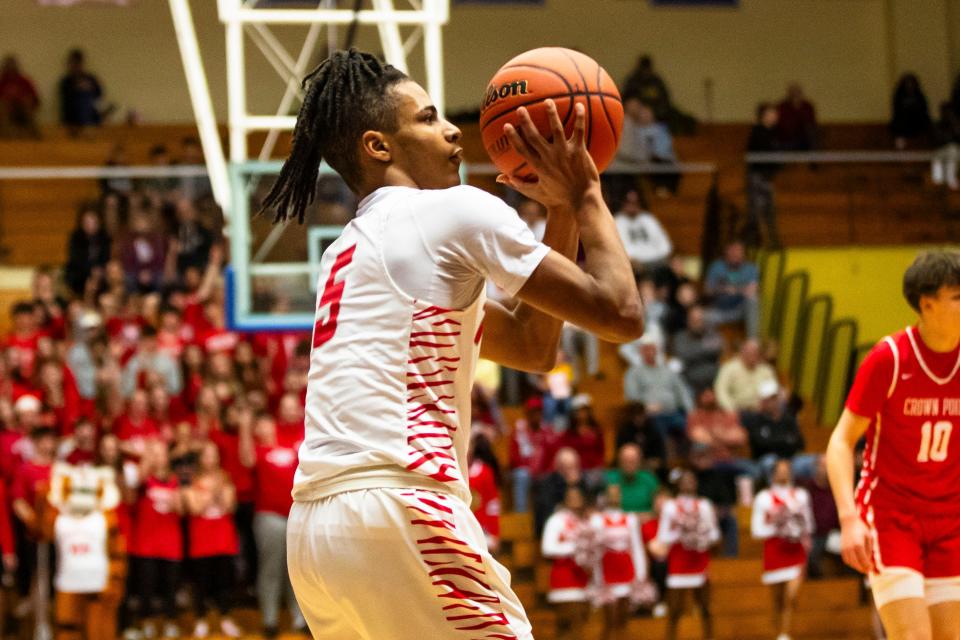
(388, 392)
(83, 564)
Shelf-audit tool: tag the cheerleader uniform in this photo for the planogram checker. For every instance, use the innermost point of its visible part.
(568, 580)
(782, 517)
(623, 561)
(688, 526)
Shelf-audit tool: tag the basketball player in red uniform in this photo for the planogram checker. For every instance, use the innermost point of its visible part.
(901, 525)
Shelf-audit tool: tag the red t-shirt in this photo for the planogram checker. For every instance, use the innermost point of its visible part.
(485, 502)
(6, 530)
(274, 479)
(533, 450)
(29, 481)
(588, 443)
(290, 433)
(912, 396)
(213, 532)
(228, 444)
(27, 346)
(156, 531)
(126, 429)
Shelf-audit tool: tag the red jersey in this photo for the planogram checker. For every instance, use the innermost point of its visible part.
(26, 345)
(486, 498)
(29, 481)
(213, 532)
(912, 396)
(137, 433)
(228, 444)
(157, 532)
(275, 469)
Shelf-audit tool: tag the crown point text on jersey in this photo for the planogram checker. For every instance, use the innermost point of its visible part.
(931, 407)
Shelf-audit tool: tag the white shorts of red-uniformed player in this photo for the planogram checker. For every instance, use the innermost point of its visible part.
(420, 556)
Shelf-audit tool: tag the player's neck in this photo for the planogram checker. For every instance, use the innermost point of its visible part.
(936, 339)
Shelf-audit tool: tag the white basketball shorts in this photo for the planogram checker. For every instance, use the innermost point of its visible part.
(398, 564)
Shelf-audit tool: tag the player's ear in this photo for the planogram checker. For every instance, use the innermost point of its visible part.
(376, 146)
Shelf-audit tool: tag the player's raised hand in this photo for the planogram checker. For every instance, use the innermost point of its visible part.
(856, 545)
(564, 169)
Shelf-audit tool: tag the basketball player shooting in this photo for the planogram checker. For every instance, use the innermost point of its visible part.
(902, 524)
(381, 540)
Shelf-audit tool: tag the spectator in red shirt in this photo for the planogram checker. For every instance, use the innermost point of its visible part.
(797, 124)
(32, 478)
(24, 337)
(720, 432)
(172, 335)
(210, 501)
(156, 549)
(290, 425)
(135, 427)
(215, 337)
(16, 446)
(208, 412)
(531, 452)
(58, 389)
(81, 447)
(221, 375)
(274, 466)
(585, 437)
(484, 473)
(19, 102)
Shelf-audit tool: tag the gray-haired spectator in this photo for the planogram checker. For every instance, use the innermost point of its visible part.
(739, 379)
(661, 391)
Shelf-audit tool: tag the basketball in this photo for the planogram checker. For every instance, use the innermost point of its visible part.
(565, 76)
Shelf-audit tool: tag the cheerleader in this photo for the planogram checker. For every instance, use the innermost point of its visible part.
(565, 536)
(688, 528)
(783, 519)
(621, 571)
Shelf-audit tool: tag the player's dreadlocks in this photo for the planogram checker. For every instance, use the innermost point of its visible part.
(347, 95)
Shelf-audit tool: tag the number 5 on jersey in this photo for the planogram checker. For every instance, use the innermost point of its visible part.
(934, 441)
(323, 330)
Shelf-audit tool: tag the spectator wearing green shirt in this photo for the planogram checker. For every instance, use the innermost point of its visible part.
(637, 485)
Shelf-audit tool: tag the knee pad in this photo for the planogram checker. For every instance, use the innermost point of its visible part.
(896, 584)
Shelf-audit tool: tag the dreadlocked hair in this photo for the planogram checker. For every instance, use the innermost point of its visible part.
(347, 94)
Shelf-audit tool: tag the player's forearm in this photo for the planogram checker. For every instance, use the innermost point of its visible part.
(840, 470)
(607, 263)
(542, 330)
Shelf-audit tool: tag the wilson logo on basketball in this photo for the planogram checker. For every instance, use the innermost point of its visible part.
(515, 88)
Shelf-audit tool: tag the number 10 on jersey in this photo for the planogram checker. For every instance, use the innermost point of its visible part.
(934, 441)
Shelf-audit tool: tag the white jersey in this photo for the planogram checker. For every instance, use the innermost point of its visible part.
(83, 563)
(398, 331)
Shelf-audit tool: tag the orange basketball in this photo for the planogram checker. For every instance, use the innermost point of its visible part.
(565, 76)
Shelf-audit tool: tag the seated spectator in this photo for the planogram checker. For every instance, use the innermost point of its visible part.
(637, 485)
(636, 429)
(732, 284)
(563, 535)
(680, 299)
(557, 388)
(484, 476)
(532, 446)
(911, 122)
(192, 241)
(698, 348)
(586, 438)
(89, 249)
(720, 432)
(120, 188)
(80, 94)
(739, 379)
(825, 518)
(549, 493)
(773, 431)
(644, 238)
(159, 190)
(19, 102)
(946, 159)
(143, 253)
(646, 84)
(761, 207)
(149, 358)
(797, 121)
(647, 140)
(661, 391)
